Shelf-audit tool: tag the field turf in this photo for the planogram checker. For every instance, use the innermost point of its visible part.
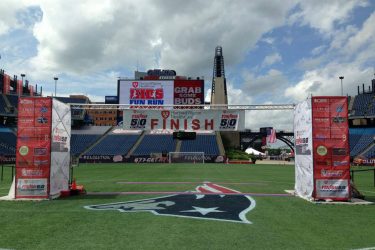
(277, 222)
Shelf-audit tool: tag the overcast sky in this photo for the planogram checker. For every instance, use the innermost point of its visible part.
(274, 51)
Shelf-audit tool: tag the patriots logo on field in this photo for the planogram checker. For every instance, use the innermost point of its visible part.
(210, 202)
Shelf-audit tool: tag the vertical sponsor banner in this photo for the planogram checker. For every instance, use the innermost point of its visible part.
(218, 120)
(188, 92)
(6, 82)
(33, 148)
(60, 148)
(304, 172)
(331, 148)
(19, 87)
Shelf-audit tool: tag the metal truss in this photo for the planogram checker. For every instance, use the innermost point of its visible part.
(206, 106)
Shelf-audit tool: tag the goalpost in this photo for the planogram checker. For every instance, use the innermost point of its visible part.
(186, 157)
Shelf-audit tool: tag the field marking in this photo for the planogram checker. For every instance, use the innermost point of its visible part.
(368, 191)
(367, 248)
(184, 182)
(184, 192)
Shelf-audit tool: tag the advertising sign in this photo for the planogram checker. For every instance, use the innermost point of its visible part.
(218, 120)
(331, 148)
(188, 92)
(33, 148)
(140, 92)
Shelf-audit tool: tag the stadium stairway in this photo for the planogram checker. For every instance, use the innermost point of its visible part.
(351, 103)
(367, 149)
(220, 144)
(135, 146)
(178, 146)
(96, 142)
(8, 106)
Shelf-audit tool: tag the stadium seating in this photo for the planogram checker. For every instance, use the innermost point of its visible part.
(7, 142)
(156, 144)
(114, 145)
(203, 143)
(79, 142)
(13, 99)
(364, 104)
(2, 105)
(362, 144)
(371, 153)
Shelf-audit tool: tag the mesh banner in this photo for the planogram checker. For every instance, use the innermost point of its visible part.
(304, 185)
(60, 147)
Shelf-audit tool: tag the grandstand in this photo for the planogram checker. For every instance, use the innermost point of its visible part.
(7, 142)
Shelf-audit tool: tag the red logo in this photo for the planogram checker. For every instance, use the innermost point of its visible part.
(135, 84)
(165, 114)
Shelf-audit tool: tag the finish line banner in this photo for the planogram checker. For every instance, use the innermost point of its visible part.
(217, 120)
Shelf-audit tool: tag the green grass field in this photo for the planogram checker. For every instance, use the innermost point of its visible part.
(277, 222)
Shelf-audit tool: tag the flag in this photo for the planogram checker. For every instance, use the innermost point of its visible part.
(271, 135)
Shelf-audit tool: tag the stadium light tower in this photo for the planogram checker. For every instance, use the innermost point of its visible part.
(55, 78)
(342, 91)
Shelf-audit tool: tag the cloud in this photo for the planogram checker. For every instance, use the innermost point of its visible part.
(325, 15)
(270, 84)
(168, 34)
(271, 59)
(325, 81)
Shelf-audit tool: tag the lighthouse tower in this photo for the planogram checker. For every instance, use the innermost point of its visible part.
(219, 86)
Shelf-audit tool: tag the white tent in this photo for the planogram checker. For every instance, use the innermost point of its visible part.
(253, 151)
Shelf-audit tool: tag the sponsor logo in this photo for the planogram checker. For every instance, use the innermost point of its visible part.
(340, 163)
(150, 160)
(43, 110)
(332, 173)
(321, 150)
(40, 151)
(26, 101)
(118, 158)
(24, 138)
(24, 150)
(324, 163)
(135, 84)
(220, 204)
(31, 172)
(339, 109)
(42, 120)
(320, 100)
(165, 114)
(339, 119)
(339, 151)
(41, 162)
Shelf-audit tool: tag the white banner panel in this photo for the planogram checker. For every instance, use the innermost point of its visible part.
(304, 172)
(218, 120)
(335, 188)
(60, 148)
(150, 92)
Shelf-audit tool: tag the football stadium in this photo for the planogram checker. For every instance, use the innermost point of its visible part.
(157, 167)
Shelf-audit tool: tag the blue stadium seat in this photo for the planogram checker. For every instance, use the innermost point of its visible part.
(114, 145)
(2, 105)
(364, 104)
(156, 144)
(79, 142)
(203, 143)
(7, 143)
